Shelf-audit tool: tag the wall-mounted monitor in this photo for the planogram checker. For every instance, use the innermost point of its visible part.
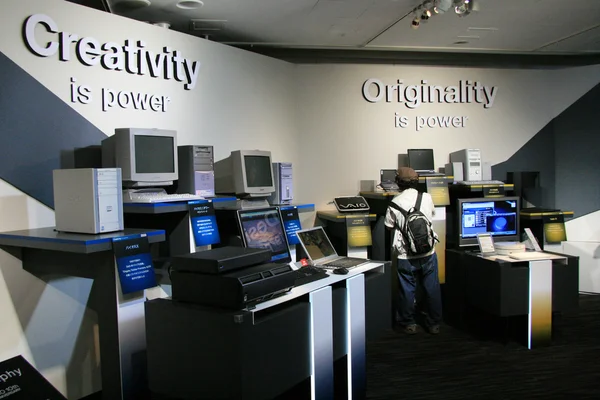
(245, 173)
(263, 229)
(497, 216)
(147, 157)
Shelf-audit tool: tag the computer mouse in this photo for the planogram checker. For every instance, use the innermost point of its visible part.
(340, 271)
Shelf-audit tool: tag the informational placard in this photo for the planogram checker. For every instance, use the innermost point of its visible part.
(532, 240)
(358, 230)
(134, 263)
(493, 191)
(291, 223)
(554, 228)
(19, 380)
(437, 187)
(204, 223)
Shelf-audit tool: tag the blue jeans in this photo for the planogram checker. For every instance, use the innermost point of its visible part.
(423, 272)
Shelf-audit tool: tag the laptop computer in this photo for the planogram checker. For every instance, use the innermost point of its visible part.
(320, 251)
(387, 179)
(421, 160)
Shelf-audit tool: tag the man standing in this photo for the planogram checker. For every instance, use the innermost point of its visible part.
(417, 262)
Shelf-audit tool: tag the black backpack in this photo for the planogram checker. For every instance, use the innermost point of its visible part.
(417, 231)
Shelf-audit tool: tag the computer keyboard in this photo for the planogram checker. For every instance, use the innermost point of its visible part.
(491, 182)
(155, 196)
(306, 275)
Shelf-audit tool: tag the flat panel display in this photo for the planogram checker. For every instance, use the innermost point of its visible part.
(259, 172)
(421, 159)
(154, 154)
(263, 229)
(499, 217)
(316, 243)
(387, 175)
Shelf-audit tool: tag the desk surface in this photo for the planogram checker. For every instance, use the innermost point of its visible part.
(312, 286)
(49, 239)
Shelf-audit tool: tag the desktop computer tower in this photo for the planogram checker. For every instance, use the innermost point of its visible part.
(282, 177)
(196, 170)
(88, 200)
(471, 161)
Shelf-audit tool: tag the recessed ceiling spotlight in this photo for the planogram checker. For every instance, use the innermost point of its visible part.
(415, 23)
(127, 5)
(189, 4)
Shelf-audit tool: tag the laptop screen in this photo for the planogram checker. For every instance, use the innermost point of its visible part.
(316, 243)
(421, 159)
(263, 229)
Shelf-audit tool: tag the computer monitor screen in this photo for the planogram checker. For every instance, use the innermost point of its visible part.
(154, 154)
(421, 159)
(263, 229)
(245, 173)
(315, 243)
(387, 175)
(258, 171)
(497, 216)
(147, 157)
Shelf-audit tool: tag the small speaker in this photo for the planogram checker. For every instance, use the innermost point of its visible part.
(455, 169)
(486, 171)
(368, 185)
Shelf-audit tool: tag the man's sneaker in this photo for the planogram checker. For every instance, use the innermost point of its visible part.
(410, 329)
(434, 329)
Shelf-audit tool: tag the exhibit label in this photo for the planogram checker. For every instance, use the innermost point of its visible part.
(291, 223)
(134, 263)
(19, 380)
(204, 223)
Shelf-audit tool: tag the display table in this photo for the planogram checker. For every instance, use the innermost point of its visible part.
(350, 233)
(45, 252)
(504, 287)
(197, 352)
(548, 226)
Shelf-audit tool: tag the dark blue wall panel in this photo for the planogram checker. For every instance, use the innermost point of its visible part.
(38, 132)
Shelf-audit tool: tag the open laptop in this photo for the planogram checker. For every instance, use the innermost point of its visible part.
(387, 179)
(421, 160)
(320, 251)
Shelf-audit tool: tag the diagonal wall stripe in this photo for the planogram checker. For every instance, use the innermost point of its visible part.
(37, 131)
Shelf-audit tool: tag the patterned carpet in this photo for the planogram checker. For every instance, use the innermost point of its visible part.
(460, 365)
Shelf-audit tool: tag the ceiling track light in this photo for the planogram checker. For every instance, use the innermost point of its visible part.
(428, 8)
(466, 7)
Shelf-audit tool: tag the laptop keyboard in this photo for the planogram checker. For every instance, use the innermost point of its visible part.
(347, 262)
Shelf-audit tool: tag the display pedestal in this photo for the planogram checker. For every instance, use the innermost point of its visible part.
(346, 242)
(503, 287)
(197, 352)
(121, 324)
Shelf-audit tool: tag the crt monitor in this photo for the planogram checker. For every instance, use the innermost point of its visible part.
(147, 157)
(498, 216)
(421, 159)
(245, 173)
(263, 229)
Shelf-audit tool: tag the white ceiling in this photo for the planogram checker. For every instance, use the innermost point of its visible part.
(514, 26)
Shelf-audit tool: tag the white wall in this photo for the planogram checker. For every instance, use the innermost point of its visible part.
(350, 139)
(242, 101)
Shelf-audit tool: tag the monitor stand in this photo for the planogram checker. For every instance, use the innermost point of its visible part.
(245, 204)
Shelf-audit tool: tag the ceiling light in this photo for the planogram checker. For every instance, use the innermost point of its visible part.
(415, 22)
(426, 14)
(441, 6)
(189, 4)
(465, 7)
(127, 5)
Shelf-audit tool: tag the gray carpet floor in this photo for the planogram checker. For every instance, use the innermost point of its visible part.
(463, 365)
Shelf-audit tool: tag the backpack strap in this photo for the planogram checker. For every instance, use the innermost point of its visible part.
(418, 203)
(397, 207)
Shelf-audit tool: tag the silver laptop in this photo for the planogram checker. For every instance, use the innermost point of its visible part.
(320, 251)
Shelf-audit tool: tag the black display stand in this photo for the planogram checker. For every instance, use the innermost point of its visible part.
(318, 330)
(45, 252)
(536, 220)
(478, 288)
